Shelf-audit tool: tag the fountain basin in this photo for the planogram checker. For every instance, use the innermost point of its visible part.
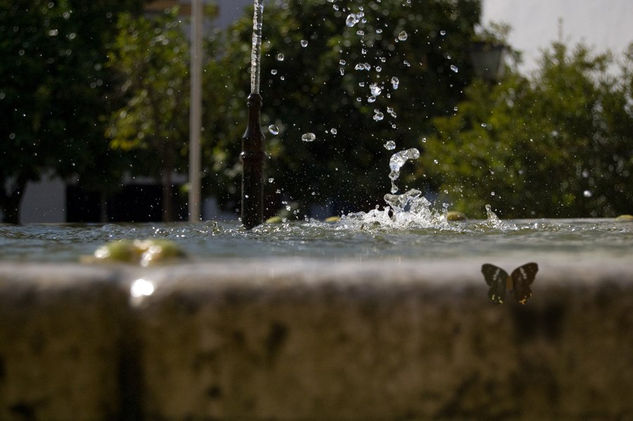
(314, 338)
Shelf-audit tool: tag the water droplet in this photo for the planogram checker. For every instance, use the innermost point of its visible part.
(406, 63)
(442, 32)
(281, 57)
(273, 129)
(273, 72)
(271, 180)
(333, 131)
(378, 115)
(375, 89)
(484, 125)
(587, 193)
(454, 68)
(304, 43)
(371, 99)
(402, 36)
(390, 145)
(342, 62)
(352, 19)
(395, 82)
(392, 112)
(53, 32)
(308, 137)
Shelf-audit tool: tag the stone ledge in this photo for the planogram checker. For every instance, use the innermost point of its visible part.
(297, 338)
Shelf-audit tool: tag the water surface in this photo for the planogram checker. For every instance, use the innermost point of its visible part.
(347, 239)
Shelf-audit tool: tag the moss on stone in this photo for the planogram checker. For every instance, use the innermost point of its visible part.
(455, 216)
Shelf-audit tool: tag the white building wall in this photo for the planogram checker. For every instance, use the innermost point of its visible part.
(230, 11)
(44, 202)
(600, 24)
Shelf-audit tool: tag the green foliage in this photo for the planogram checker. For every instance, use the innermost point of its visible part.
(151, 56)
(52, 90)
(555, 145)
(311, 91)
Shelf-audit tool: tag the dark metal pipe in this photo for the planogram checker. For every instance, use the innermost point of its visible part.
(253, 166)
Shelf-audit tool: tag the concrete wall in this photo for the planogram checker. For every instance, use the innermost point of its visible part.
(288, 339)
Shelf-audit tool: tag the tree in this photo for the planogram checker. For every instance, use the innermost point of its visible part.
(151, 55)
(53, 92)
(412, 66)
(554, 145)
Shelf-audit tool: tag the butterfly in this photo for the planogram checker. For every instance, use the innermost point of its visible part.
(519, 282)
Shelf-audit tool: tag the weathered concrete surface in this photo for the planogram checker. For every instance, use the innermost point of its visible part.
(291, 339)
(61, 336)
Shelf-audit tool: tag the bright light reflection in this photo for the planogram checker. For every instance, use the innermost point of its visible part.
(142, 288)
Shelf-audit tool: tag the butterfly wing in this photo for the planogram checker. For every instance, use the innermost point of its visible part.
(522, 278)
(496, 279)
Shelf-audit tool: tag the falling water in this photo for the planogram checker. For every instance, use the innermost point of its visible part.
(256, 51)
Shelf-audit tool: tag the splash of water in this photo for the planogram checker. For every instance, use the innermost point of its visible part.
(493, 221)
(397, 161)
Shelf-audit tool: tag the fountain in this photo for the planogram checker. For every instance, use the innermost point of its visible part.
(382, 314)
(252, 141)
